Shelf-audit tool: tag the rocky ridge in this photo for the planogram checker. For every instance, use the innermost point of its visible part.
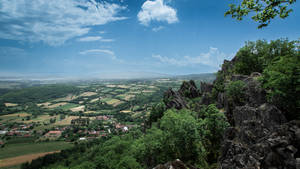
(259, 135)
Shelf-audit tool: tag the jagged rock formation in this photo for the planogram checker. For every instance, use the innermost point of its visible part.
(176, 98)
(259, 136)
(177, 164)
(189, 90)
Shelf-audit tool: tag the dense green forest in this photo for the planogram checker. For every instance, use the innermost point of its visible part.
(41, 93)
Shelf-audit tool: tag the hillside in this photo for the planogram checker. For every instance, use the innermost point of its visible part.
(248, 118)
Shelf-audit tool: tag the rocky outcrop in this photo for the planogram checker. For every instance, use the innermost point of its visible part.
(177, 164)
(253, 95)
(253, 146)
(206, 87)
(173, 99)
(176, 99)
(189, 90)
(259, 136)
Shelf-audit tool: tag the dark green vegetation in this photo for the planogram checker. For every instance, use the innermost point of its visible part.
(39, 93)
(279, 63)
(265, 10)
(191, 136)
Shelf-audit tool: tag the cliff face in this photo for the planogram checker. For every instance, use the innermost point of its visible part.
(259, 136)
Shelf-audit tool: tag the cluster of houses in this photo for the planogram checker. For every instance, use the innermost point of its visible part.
(25, 130)
(21, 130)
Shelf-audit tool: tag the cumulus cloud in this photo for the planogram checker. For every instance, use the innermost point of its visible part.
(213, 58)
(157, 10)
(99, 51)
(53, 22)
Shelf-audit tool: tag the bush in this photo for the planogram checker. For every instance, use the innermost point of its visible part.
(235, 91)
(282, 81)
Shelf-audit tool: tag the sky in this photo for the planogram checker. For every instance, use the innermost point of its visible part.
(105, 38)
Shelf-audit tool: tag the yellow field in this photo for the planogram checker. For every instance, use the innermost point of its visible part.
(125, 111)
(56, 105)
(10, 104)
(148, 91)
(66, 121)
(114, 102)
(16, 115)
(87, 94)
(44, 104)
(94, 100)
(126, 97)
(152, 87)
(123, 86)
(67, 98)
(22, 159)
(112, 86)
(88, 112)
(41, 119)
(79, 108)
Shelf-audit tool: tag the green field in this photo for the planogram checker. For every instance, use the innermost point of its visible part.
(68, 106)
(13, 150)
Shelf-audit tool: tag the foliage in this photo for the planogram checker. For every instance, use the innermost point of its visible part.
(282, 79)
(279, 63)
(41, 93)
(235, 91)
(183, 139)
(265, 10)
(212, 127)
(157, 112)
(178, 134)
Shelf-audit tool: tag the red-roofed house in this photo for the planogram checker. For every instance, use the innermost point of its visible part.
(53, 134)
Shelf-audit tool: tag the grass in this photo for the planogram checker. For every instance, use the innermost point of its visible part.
(13, 150)
(12, 167)
(68, 106)
(17, 140)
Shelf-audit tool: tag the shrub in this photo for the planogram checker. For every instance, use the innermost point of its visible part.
(235, 91)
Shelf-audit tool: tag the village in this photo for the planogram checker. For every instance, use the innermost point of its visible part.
(80, 129)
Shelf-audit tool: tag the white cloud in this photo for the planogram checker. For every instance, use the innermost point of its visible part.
(157, 10)
(90, 38)
(94, 38)
(53, 22)
(107, 40)
(99, 51)
(156, 29)
(213, 58)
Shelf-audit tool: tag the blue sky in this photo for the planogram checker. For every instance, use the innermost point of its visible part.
(99, 38)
